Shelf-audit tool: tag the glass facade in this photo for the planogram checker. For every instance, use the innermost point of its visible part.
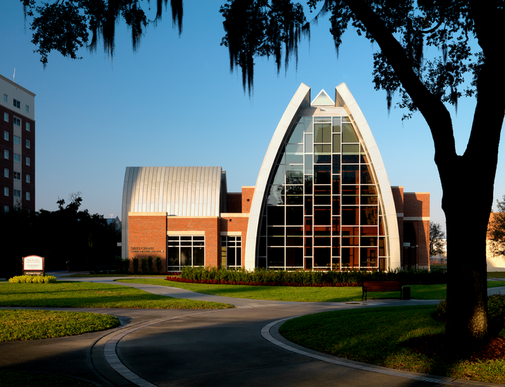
(322, 208)
(187, 250)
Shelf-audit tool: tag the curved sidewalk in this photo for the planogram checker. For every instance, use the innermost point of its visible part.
(238, 346)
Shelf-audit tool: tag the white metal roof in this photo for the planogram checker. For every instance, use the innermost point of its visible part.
(179, 191)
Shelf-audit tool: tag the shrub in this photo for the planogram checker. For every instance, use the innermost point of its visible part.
(135, 265)
(143, 265)
(32, 279)
(150, 264)
(158, 264)
(307, 277)
(496, 313)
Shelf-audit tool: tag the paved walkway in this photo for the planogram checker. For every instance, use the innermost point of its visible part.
(225, 347)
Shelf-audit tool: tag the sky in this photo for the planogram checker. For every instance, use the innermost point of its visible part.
(175, 102)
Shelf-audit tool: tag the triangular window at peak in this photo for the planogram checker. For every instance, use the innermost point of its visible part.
(323, 99)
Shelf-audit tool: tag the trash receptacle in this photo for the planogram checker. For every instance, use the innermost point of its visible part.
(406, 292)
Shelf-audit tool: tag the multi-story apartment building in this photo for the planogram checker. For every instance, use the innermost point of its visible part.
(17, 146)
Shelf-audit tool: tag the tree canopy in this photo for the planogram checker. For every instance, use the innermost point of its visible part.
(65, 26)
(437, 243)
(67, 234)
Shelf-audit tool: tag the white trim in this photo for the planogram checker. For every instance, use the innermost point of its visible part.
(231, 233)
(147, 214)
(300, 99)
(414, 218)
(184, 233)
(234, 215)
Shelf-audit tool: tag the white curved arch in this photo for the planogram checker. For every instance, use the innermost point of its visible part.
(300, 99)
(344, 98)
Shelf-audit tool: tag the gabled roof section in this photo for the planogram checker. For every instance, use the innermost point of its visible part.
(323, 99)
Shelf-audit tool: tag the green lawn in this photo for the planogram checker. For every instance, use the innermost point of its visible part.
(42, 324)
(381, 336)
(93, 295)
(302, 294)
(496, 274)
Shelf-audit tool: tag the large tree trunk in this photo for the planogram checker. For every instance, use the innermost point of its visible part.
(467, 201)
(468, 180)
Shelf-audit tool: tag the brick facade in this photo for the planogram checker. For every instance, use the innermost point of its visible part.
(148, 236)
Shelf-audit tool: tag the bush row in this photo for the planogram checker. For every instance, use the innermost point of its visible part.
(307, 277)
(231, 282)
(496, 312)
(33, 279)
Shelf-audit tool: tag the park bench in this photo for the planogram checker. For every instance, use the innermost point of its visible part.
(381, 286)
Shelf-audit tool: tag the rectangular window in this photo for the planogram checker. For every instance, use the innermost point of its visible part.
(17, 158)
(6, 154)
(27, 195)
(6, 191)
(27, 178)
(6, 98)
(6, 135)
(231, 251)
(16, 121)
(16, 103)
(27, 143)
(6, 208)
(6, 117)
(185, 250)
(27, 161)
(17, 175)
(27, 108)
(17, 193)
(17, 140)
(27, 126)
(6, 172)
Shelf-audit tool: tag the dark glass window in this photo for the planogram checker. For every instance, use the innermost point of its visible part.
(185, 251)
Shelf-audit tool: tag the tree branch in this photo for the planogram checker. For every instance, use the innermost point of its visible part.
(430, 106)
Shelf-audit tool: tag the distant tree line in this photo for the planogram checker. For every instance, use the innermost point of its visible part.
(67, 234)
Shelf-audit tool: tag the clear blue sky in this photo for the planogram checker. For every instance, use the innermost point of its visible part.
(174, 102)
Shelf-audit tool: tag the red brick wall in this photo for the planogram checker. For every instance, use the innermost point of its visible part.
(209, 225)
(236, 224)
(147, 237)
(247, 197)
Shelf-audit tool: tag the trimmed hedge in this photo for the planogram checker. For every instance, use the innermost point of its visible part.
(33, 279)
(259, 276)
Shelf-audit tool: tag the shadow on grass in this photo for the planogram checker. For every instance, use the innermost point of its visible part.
(405, 338)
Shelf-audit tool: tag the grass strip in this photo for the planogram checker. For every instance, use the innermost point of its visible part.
(93, 295)
(300, 294)
(18, 325)
(23, 379)
(496, 274)
(381, 335)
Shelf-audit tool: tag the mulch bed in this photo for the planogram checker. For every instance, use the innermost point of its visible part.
(436, 346)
